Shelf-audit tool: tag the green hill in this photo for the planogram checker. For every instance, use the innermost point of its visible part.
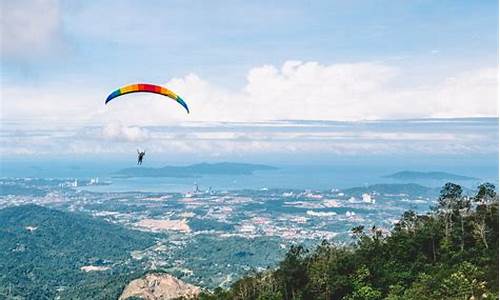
(42, 251)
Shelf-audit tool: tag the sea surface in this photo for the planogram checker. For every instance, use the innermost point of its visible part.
(342, 173)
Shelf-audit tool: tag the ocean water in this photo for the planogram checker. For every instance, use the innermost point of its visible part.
(340, 173)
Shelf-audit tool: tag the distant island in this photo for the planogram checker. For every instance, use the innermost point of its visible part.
(414, 175)
(223, 168)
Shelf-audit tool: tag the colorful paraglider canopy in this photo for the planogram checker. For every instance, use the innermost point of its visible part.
(146, 88)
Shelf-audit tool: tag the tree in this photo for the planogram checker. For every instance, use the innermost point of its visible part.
(422, 288)
(485, 195)
(292, 272)
(318, 270)
(362, 287)
(453, 205)
(464, 283)
(449, 193)
(408, 222)
(358, 232)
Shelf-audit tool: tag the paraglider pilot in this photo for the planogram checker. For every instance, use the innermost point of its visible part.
(140, 156)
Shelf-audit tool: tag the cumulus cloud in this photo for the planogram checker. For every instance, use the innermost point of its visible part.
(358, 91)
(474, 91)
(296, 90)
(29, 27)
(119, 132)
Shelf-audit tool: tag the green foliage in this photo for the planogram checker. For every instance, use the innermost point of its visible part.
(362, 287)
(450, 253)
(486, 193)
(45, 262)
(214, 257)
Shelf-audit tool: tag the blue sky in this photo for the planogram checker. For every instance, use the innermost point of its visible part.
(221, 40)
(243, 62)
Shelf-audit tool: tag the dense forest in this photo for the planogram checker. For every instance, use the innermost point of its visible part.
(42, 250)
(449, 253)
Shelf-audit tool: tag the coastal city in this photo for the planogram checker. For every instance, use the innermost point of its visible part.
(251, 228)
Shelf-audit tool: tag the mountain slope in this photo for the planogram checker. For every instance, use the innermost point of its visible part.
(44, 250)
(448, 253)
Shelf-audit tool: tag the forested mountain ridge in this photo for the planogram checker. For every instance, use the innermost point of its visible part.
(47, 253)
(449, 253)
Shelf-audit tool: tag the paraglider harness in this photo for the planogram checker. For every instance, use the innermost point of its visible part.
(140, 156)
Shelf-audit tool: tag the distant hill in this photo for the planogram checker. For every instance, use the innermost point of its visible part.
(224, 168)
(45, 253)
(411, 189)
(414, 175)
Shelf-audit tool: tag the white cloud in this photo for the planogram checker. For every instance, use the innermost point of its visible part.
(296, 90)
(340, 92)
(119, 132)
(29, 27)
(475, 92)
(50, 103)
(463, 136)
